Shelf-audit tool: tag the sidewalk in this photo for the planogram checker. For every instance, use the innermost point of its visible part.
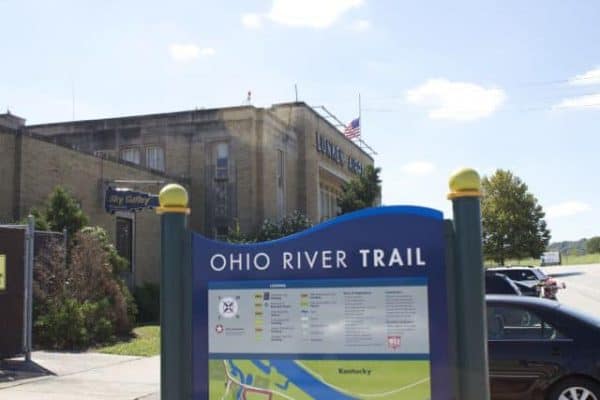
(90, 376)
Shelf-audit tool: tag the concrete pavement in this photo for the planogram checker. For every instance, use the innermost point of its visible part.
(90, 376)
(583, 286)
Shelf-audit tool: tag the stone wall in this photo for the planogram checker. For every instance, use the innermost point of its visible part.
(41, 166)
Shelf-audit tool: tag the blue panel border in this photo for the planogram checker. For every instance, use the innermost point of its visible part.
(316, 283)
(285, 356)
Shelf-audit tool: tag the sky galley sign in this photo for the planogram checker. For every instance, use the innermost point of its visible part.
(353, 308)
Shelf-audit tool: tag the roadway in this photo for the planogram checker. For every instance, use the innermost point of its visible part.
(583, 286)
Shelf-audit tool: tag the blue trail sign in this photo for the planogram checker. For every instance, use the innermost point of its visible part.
(353, 308)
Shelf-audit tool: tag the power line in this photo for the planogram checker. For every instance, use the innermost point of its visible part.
(527, 109)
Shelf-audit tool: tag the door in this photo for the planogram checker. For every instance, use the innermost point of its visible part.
(125, 245)
(525, 352)
(12, 291)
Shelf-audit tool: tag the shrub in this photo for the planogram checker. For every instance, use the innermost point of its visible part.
(73, 325)
(235, 235)
(147, 298)
(82, 303)
(61, 326)
(269, 230)
(295, 222)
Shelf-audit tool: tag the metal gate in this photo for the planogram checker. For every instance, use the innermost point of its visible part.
(12, 291)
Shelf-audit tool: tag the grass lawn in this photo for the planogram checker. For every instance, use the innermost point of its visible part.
(566, 260)
(145, 342)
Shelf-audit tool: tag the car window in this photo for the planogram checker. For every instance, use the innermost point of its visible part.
(496, 284)
(540, 274)
(520, 275)
(516, 323)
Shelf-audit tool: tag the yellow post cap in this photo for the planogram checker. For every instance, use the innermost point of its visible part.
(173, 198)
(464, 182)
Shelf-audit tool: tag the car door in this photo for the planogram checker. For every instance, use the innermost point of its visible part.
(525, 352)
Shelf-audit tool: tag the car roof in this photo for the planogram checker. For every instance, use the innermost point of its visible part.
(521, 300)
(515, 268)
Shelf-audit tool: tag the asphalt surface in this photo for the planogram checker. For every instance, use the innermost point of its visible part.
(583, 286)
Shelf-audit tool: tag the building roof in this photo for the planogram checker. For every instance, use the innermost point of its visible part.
(38, 128)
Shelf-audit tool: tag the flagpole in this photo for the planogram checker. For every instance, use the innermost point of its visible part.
(360, 122)
(359, 112)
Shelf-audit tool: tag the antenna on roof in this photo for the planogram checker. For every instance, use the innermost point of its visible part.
(72, 99)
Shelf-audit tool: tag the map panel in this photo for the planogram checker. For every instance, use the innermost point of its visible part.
(277, 339)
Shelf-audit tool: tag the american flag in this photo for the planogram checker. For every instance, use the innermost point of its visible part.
(352, 131)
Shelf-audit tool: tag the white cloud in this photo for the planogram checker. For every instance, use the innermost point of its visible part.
(310, 13)
(591, 77)
(362, 25)
(567, 209)
(418, 168)
(252, 20)
(591, 101)
(207, 51)
(460, 101)
(184, 52)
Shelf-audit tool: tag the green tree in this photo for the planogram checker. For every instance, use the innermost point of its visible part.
(361, 192)
(63, 211)
(512, 220)
(40, 220)
(593, 245)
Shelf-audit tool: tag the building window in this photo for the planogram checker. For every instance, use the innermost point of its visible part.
(221, 199)
(220, 190)
(131, 154)
(280, 183)
(222, 161)
(155, 158)
(328, 207)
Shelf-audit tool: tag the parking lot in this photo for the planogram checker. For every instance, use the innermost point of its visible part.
(583, 286)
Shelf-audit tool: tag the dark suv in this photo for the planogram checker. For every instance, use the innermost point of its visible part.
(529, 280)
(496, 283)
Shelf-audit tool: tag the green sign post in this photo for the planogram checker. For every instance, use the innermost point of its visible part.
(175, 295)
(469, 301)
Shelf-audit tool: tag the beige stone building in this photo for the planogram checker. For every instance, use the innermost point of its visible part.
(241, 165)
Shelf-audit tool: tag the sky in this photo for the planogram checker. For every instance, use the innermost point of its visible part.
(484, 84)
